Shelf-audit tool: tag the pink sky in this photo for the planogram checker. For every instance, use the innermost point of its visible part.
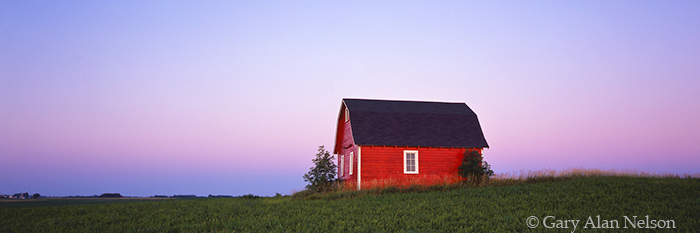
(234, 98)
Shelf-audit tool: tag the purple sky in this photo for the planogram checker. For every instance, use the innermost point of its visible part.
(147, 98)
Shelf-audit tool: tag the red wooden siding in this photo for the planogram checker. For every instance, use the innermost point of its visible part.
(386, 163)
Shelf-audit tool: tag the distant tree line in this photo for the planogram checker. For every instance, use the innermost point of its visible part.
(220, 196)
(111, 195)
(20, 196)
(118, 195)
(247, 196)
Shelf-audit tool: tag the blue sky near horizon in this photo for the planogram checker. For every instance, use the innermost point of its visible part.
(165, 98)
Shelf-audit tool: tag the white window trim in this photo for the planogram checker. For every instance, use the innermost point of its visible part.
(359, 167)
(404, 161)
(351, 160)
(342, 165)
(347, 115)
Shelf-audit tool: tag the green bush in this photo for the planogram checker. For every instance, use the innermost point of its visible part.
(474, 168)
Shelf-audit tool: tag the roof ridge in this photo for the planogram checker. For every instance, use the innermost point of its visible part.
(411, 101)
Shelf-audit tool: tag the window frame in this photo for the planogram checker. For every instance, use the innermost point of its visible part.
(405, 167)
(342, 165)
(347, 115)
(352, 155)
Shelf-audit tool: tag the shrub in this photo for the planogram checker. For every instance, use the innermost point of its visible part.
(111, 195)
(321, 177)
(474, 167)
(250, 196)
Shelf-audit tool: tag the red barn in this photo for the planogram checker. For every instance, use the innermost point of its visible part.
(387, 141)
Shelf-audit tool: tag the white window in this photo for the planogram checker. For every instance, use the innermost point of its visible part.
(342, 165)
(347, 115)
(351, 158)
(410, 161)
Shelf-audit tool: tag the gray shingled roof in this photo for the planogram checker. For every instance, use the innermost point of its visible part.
(414, 123)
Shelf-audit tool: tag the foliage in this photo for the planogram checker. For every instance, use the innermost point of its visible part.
(111, 195)
(474, 167)
(250, 196)
(322, 176)
(489, 209)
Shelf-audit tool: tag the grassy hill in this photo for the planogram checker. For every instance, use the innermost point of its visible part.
(485, 209)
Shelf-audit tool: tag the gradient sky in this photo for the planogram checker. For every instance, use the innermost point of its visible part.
(174, 97)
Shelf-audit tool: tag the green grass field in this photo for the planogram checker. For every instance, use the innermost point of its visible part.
(483, 209)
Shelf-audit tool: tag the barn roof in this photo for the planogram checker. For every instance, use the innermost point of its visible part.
(414, 123)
